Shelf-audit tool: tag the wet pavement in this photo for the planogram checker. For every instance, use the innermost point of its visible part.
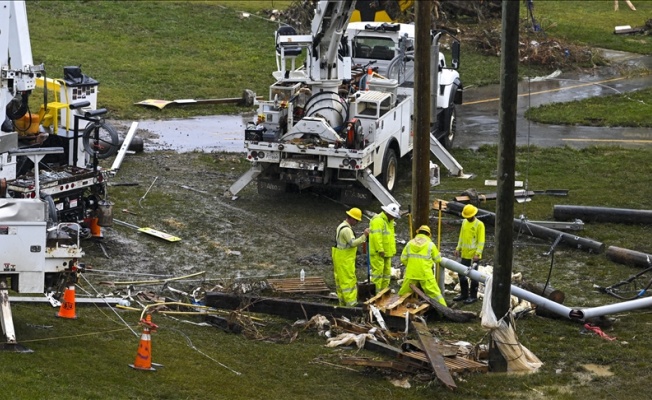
(477, 116)
(221, 133)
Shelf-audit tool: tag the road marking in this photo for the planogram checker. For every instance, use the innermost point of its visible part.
(609, 140)
(549, 90)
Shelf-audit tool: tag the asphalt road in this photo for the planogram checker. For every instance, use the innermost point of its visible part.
(478, 115)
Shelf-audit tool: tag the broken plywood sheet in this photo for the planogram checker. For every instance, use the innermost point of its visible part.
(296, 285)
(395, 305)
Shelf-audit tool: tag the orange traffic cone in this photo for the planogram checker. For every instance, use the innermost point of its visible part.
(144, 355)
(67, 309)
(96, 230)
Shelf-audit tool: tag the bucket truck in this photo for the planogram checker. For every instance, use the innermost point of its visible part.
(47, 190)
(343, 118)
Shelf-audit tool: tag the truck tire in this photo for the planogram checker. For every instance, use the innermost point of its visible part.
(107, 144)
(450, 127)
(390, 170)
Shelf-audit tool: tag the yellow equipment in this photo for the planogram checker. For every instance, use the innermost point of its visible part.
(373, 10)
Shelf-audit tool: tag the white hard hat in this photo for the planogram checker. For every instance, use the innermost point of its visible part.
(392, 209)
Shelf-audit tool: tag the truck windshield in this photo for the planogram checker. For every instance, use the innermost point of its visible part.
(375, 48)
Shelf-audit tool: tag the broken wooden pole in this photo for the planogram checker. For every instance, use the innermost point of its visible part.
(629, 257)
(449, 313)
(602, 214)
(287, 308)
(546, 291)
(523, 226)
(429, 345)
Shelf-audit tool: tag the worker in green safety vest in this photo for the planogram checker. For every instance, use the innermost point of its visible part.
(469, 247)
(382, 245)
(419, 257)
(343, 253)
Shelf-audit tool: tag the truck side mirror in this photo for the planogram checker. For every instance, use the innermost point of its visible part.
(455, 62)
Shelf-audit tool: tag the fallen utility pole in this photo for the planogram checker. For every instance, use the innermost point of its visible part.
(602, 214)
(287, 308)
(524, 226)
(629, 257)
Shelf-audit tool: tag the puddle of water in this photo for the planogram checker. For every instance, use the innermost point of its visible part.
(220, 133)
(599, 370)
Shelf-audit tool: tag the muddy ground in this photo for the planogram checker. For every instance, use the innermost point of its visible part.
(255, 236)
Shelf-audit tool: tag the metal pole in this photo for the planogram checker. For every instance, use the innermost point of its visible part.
(421, 127)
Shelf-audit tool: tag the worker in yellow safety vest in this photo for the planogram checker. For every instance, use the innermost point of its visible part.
(344, 252)
(382, 245)
(470, 246)
(419, 257)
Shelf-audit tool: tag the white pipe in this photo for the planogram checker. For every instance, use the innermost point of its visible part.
(540, 301)
(549, 305)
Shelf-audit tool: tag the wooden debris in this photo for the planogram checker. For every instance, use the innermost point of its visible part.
(437, 362)
(295, 285)
(454, 364)
(396, 305)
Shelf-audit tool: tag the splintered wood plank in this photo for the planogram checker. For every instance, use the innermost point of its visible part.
(437, 361)
(454, 364)
(367, 362)
(295, 285)
(396, 305)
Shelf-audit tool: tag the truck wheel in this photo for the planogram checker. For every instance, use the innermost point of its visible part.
(390, 170)
(107, 143)
(450, 128)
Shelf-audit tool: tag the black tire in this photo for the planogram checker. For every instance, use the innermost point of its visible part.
(449, 128)
(107, 144)
(390, 170)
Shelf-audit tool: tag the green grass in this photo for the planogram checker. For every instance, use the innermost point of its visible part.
(87, 358)
(592, 23)
(633, 110)
(170, 50)
(180, 50)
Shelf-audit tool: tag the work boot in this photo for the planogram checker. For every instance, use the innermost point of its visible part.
(470, 300)
(460, 297)
(464, 291)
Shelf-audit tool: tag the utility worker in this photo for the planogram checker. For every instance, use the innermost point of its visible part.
(470, 244)
(382, 245)
(344, 252)
(419, 256)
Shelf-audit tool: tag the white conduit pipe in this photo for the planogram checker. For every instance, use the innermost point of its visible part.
(549, 305)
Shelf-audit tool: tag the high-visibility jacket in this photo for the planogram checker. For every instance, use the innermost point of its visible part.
(419, 256)
(381, 235)
(343, 253)
(471, 240)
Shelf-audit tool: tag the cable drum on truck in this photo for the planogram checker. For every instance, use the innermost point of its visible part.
(107, 143)
(327, 105)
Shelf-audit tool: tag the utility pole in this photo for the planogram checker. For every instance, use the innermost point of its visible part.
(421, 132)
(503, 251)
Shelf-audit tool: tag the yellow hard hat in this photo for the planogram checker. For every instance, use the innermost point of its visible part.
(469, 211)
(355, 213)
(424, 229)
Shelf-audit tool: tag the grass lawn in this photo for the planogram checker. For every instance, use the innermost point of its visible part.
(170, 50)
